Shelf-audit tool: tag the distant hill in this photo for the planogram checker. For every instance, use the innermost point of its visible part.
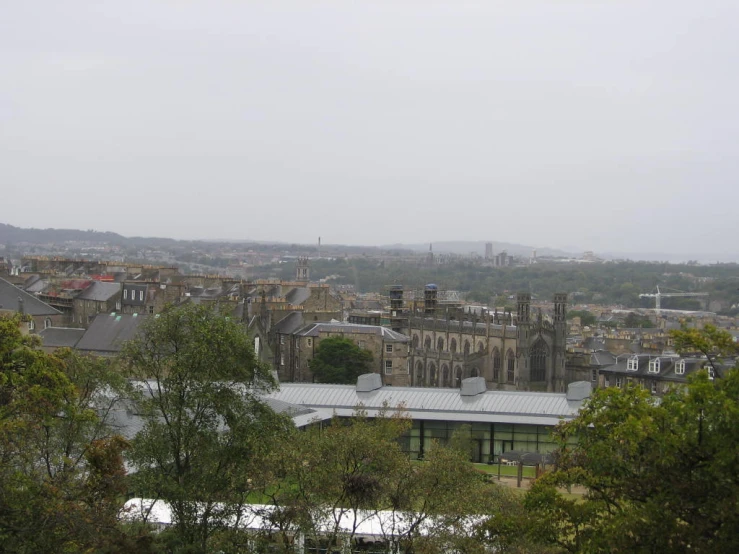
(11, 234)
(478, 247)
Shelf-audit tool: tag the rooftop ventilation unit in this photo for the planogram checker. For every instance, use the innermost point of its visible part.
(578, 391)
(473, 386)
(369, 382)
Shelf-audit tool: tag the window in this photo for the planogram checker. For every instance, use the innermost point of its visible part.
(282, 339)
(654, 387)
(388, 367)
(496, 364)
(680, 367)
(141, 295)
(389, 348)
(31, 325)
(654, 365)
(309, 341)
(511, 367)
(606, 381)
(282, 359)
(297, 364)
(427, 343)
(47, 323)
(618, 382)
(125, 294)
(151, 309)
(360, 344)
(632, 364)
(594, 375)
(711, 374)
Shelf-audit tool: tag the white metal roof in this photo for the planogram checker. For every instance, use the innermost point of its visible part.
(537, 408)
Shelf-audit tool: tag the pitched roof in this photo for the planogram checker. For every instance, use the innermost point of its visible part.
(434, 404)
(100, 291)
(298, 295)
(289, 324)
(108, 332)
(314, 329)
(10, 296)
(58, 337)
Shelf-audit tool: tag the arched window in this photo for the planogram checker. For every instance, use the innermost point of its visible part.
(440, 344)
(453, 346)
(466, 348)
(427, 343)
(539, 355)
(446, 376)
(458, 377)
(474, 372)
(496, 364)
(432, 375)
(511, 369)
(47, 323)
(415, 340)
(419, 374)
(480, 347)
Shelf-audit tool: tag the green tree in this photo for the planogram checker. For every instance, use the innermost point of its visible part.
(61, 468)
(356, 469)
(339, 360)
(586, 317)
(661, 477)
(634, 320)
(206, 429)
(713, 343)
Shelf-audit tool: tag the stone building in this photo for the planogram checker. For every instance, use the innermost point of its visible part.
(39, 314)
(294, 348)
(512, 352)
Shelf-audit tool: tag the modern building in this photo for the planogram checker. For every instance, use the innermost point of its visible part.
(497, 421)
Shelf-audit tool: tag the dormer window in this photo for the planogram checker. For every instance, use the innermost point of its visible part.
(632, 364)
(654, 366)
(680, 367)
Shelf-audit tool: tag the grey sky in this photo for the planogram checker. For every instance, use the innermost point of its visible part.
(603, 125)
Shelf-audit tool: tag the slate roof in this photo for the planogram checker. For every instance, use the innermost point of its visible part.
(298, 295)
(108, 332)
(314, 329)
(58, 337)
(133, 294)
(289, 324)
(666, 367)
(9, 295)
(100, 291)
(434, 404)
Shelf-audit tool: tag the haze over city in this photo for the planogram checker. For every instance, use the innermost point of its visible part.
(604, 126)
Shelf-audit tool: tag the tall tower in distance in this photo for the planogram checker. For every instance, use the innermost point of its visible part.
(302, 271)
(488, 250)
(560, 340)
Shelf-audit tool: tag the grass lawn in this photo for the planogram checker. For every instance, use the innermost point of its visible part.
(506, 471)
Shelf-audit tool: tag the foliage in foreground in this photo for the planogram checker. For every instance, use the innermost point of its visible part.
(661, 476)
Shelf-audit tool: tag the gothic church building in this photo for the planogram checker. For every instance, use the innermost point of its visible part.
(521, 351)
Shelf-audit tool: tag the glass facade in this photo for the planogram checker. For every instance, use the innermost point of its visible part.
(487, 440)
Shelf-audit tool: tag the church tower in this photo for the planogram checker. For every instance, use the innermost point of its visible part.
(523, 337)
(302, 271)
(560, 340)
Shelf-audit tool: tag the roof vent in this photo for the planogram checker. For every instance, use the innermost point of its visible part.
(369, 382)
(578, 391)
(473, 386)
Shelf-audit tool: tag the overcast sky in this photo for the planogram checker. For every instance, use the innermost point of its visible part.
(601, 125)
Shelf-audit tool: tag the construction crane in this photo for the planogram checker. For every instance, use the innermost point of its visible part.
(658, 296)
